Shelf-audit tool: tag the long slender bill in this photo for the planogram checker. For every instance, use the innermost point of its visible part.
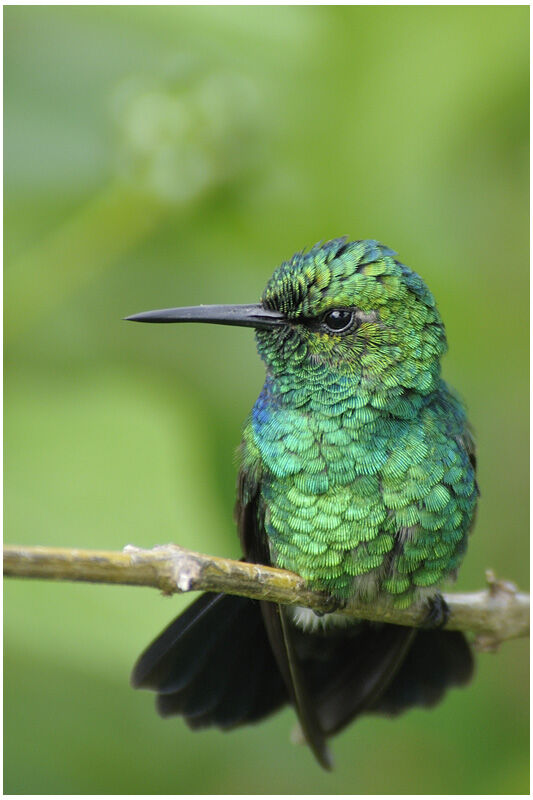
(248, 316)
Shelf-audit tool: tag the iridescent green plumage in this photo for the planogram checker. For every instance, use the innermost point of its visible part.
(357, 472)
(362, 452)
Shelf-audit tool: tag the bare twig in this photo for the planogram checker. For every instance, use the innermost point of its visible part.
(494, 614)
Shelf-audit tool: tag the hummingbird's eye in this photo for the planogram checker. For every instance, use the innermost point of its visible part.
(338, 320)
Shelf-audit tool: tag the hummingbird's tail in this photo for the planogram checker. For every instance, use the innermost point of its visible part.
(214, 665)
(381, 669)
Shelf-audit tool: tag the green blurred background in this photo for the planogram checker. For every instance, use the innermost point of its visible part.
(160, 156)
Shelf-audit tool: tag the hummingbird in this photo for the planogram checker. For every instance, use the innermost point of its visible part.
(357, 472)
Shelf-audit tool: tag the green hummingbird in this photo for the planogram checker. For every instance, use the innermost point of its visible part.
(357, 471)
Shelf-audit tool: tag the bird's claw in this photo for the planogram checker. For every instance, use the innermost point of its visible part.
(438, 613)
(333, 604)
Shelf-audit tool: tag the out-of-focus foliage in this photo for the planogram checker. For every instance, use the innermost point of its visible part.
(167, 155)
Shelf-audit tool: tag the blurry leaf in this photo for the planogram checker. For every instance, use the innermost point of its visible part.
(186, 135)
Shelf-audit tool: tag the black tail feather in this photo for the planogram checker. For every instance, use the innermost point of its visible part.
(385, 669)
(176, 654)
(214, 665)
(436, 661)
(362, 667)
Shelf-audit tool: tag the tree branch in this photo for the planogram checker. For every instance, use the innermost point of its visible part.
(494, 615)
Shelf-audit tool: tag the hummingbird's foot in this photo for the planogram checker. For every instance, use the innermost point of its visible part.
(333, 604)
(438, 613)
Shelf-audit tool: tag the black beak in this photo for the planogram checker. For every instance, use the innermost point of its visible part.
(252, 316)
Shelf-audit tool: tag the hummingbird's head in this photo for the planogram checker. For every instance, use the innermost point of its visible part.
(354, 308)
(348, 307)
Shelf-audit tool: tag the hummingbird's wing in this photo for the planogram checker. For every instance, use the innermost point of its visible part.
(250, 522)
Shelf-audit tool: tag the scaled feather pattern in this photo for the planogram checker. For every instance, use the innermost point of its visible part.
(362, 452)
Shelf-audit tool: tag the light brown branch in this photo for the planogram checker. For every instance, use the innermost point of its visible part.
(494, 614)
